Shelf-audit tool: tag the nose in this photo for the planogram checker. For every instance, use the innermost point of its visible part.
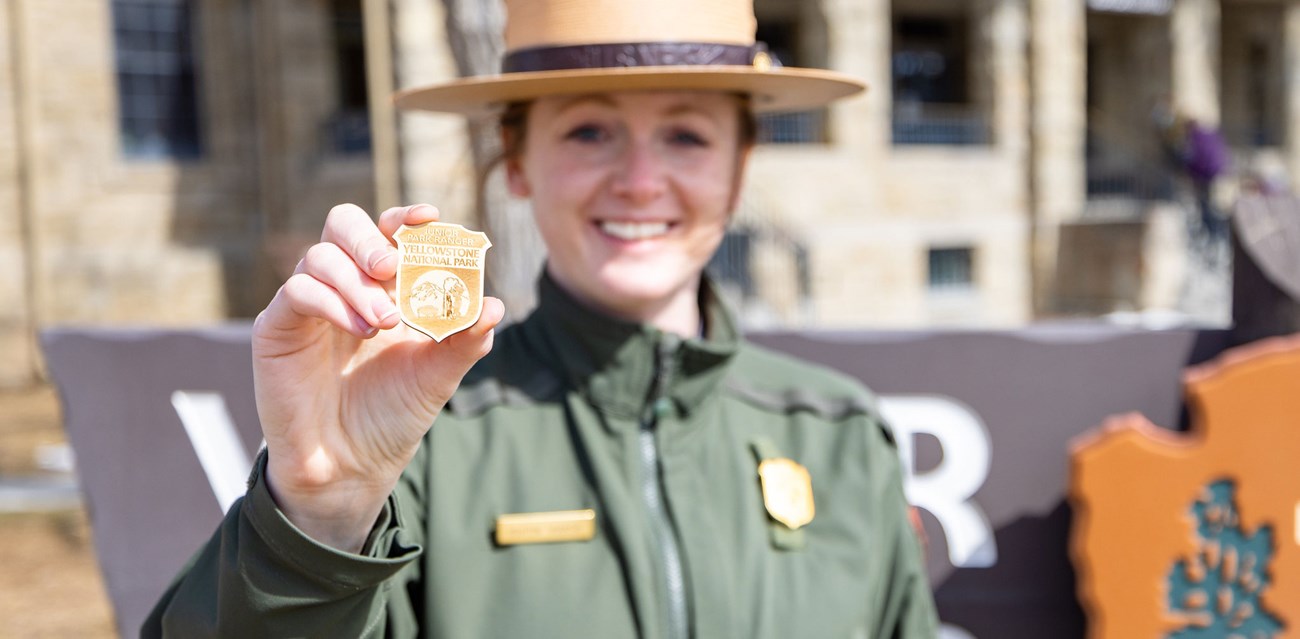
(640, 175)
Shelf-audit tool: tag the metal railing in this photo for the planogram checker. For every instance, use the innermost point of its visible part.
(1255, 136)
(764, 268)
(919, 123)
(1131, 179)
(1119, 169)
(801, 127)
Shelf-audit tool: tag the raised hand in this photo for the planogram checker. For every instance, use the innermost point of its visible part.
(344, 390)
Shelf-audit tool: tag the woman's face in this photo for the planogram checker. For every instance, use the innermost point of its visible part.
(632, 192)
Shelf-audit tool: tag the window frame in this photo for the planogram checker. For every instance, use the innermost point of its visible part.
(157, 77)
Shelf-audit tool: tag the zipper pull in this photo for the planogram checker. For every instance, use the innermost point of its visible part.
(663, 407)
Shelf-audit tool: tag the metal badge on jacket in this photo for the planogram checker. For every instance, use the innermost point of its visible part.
(787, 491)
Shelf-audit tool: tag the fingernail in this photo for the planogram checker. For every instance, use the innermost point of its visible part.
(384, 310)
(381, 256)
(363, 326)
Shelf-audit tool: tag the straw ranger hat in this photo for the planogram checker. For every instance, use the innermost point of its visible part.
(585, 46)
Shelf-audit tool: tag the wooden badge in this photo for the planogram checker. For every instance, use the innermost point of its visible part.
(1196, 534)
(787, 491)
(440, 277)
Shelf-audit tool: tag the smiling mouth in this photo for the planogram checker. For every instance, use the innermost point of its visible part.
(634, 230)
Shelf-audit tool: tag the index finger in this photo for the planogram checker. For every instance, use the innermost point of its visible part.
(350, 228)
(394, 218)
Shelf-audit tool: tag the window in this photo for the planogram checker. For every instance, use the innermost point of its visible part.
(932, 96)
(350, 125)
(764, 270)
(782, 37)
(731, 263)
(158, 111)
(1261, 129)
(950, 269)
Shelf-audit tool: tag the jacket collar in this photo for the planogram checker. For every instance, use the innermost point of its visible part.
(622, 367)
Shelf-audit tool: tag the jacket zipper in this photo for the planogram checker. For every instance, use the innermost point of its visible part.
(652, 493)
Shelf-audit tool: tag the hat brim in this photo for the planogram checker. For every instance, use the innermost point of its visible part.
(775, 89)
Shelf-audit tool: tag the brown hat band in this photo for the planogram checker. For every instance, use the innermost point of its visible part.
(634, 54)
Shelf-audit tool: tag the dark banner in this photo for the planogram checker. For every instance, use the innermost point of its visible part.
(164, 426)
(985, 420)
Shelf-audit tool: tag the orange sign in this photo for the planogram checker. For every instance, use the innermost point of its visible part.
(440, 277)
(1185, 535)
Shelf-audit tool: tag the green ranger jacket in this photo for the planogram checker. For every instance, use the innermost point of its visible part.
(662, 438)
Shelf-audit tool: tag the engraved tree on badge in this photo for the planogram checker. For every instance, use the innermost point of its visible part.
(445, 297)
(1215, 594)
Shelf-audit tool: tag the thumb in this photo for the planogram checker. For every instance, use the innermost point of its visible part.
(476, 341)
(443, 365)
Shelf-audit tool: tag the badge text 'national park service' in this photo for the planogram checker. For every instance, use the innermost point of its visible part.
(440, 277)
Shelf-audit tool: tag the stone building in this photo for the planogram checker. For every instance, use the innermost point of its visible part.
(165, 161)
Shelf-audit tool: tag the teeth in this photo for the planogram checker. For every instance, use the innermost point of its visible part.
(634, 230)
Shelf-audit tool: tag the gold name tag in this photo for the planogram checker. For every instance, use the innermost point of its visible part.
(548, 527)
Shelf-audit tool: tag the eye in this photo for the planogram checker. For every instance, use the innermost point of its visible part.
(586, 133)
(687, 137)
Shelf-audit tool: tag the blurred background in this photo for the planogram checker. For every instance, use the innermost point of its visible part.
(1015, 162)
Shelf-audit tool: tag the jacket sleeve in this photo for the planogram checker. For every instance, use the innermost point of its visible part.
(259, 576)
(906, 610)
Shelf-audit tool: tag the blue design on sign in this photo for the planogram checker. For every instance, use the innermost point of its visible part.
(1216, 592)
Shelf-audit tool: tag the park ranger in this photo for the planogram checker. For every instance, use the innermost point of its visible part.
(622, 463)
